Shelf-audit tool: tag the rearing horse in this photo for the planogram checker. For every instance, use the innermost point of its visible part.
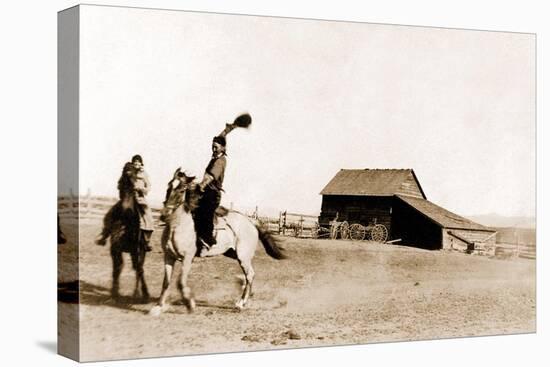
(179, 241)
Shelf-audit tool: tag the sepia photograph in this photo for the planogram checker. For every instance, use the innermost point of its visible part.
(234, 183)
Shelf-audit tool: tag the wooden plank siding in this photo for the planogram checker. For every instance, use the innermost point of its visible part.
(410, 187)
(468, 240)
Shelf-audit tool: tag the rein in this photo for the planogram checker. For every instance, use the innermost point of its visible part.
(175, 206)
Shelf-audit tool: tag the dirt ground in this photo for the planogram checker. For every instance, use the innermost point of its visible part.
(329, 292)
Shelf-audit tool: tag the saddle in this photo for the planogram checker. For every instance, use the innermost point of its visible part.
(224, 234)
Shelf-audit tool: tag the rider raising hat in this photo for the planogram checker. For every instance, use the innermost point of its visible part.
(211, 187)
(212, 183)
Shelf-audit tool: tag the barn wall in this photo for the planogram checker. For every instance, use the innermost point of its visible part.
(414, 228)
(483, 241)
(410, 187)
(357, 209)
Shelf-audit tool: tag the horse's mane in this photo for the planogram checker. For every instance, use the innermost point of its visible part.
(192, 198)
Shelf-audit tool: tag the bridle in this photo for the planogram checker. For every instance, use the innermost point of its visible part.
(172, 205)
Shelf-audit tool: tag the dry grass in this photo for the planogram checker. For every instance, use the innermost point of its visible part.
(326, 293)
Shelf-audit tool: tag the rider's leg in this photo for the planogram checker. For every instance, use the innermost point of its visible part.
(212, 201)
(200, 217)
(146, 224)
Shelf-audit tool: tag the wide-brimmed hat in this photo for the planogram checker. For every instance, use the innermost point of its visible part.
(220, 140)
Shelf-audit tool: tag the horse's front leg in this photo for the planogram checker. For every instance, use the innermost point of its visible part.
(169, 262)
(116, 256)
(185, 290)
(138, 259)
(141, 276)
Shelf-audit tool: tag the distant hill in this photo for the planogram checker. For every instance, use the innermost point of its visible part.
(525, 236)
(495, 220)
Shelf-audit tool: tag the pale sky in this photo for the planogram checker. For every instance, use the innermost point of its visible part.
(456, 106)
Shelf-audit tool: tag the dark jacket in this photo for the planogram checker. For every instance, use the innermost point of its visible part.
(216, 169)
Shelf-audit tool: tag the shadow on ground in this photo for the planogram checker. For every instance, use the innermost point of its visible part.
(95, 295)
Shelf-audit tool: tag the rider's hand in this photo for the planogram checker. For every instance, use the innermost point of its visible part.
(205, 181)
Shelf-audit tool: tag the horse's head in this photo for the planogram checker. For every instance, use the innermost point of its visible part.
(176, 193)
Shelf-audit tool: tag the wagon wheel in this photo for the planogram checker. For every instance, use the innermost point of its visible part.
(344, 230)
(379, 233)
(357, 232)
(334, 229)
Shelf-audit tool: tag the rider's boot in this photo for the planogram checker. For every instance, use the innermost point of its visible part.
(101, 240)
(207, 242)
(147, 240)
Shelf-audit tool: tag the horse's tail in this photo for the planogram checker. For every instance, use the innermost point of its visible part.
(271, 244)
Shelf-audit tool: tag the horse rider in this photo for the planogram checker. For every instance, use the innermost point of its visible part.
(211, 187)
(133, 187)
(141, 185)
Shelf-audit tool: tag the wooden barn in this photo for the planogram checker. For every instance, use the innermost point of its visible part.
(394, 198)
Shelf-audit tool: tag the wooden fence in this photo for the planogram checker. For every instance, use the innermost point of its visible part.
(94, 208)
(88, 207)
(298, 225)
(508, 250)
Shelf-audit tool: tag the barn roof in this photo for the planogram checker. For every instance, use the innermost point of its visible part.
(369, 182)
(442, 216)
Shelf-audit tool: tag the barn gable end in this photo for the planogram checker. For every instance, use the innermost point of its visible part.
(411, 187)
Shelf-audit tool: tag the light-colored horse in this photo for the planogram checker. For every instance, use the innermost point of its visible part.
(179, 241)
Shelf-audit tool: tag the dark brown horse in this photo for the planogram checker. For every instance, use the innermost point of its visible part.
(126, 236)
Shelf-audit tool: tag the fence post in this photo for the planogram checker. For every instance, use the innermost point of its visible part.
(87, 201)
(517, 242)
(284, 223)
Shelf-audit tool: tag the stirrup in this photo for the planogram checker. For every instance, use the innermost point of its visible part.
(204, 244)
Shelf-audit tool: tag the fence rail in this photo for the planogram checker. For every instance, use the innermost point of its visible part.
(89, 207)
(94, 208)
(526, 251)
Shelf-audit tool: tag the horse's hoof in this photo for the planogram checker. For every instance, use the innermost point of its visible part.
(191, 305)
(155, 311)
(239, 305)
